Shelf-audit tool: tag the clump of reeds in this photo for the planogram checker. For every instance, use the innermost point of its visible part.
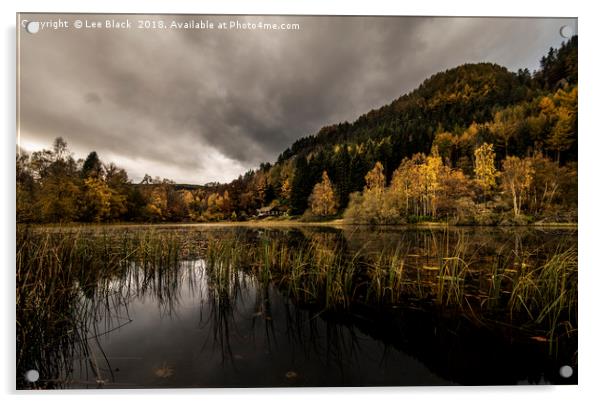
(65, 282)
(547, 294)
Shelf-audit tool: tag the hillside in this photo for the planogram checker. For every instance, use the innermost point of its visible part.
(451, 99)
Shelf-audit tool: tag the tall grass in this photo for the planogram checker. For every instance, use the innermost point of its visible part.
(67, 280)
(548, 294)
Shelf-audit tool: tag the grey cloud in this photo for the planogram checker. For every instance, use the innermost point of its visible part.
(93, 98)
(207, 105)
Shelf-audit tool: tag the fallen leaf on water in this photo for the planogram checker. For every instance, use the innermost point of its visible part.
(539, 338)
(291, 375)
(164, 371)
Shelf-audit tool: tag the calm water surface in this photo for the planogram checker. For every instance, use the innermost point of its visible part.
(181, 330)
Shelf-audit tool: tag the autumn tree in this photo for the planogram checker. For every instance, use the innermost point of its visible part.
(403, 187)
(517, 175)
(430, 173)
(378, 204)
(416, 184)
(375, 179)
(120, 187)
(485, 172)
(58, 186)
(455, 196)
(323, 201)
(96, 200)
(285, 190)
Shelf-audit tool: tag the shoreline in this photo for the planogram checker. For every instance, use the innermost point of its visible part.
(340, 223)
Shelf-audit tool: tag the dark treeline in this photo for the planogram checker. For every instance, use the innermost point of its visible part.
(474, 144)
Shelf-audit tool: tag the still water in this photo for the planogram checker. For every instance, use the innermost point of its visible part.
(179, 327)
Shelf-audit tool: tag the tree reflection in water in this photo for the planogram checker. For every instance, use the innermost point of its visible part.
(286, 307)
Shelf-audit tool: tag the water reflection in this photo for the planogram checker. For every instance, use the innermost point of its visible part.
(213, 319)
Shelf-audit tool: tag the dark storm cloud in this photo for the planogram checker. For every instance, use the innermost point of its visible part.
(198, 106)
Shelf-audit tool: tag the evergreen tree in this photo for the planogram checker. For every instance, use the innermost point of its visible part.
(301, 187)
(342, 177)
(92, 166)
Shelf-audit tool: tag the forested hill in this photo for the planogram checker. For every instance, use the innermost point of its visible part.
(445, 105)
(449, 100)
(456, 119)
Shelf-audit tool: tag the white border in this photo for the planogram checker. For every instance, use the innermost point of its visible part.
(590, 148)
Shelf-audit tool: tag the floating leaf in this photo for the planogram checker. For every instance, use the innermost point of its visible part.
(164, 371)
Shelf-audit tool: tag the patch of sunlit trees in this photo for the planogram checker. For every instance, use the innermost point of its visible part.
(424, 188)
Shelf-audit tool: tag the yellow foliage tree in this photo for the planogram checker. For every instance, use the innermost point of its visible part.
(323, 201)
(375, 179)
(286, 189)
(430, 173)
(402, 185)
(97, 199)
(156, 208)
(484, 169)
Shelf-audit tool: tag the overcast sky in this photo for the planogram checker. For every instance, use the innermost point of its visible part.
(206, 105)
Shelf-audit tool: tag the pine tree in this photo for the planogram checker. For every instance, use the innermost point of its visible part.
(564, 132)
(92, 166)
(301, 187)
(342, 177)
